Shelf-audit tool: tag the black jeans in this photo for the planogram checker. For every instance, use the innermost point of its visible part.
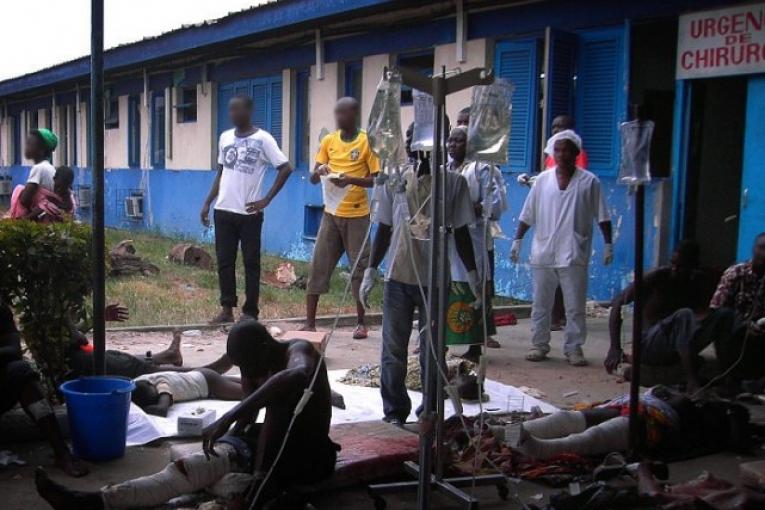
(231, 229)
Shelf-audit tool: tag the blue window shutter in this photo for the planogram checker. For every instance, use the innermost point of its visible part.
(276, 110)
(517, 62)
(260, 110)
(560, 75)
(225, 93)
(601, 97)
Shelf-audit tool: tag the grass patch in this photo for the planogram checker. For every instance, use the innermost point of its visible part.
(188, 295)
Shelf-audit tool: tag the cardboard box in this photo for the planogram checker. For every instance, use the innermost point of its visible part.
(194, 422)
(317, 338)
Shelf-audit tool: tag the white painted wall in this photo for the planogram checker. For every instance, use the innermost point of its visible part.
(323, 95)
(445, 55)
(288, 106)
(5, 146)
(83, 158)
(371, 73)
(116, 139)
(192, 140)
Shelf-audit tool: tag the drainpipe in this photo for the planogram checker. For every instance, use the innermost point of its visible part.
(461, 33)
(319, 55)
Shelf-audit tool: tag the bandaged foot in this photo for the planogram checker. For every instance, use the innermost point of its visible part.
(556, 425)
(189, 474)
(609, 436)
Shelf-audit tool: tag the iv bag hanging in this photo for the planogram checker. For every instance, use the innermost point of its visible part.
(635, 165)
(422, 135)
(384, 126)
(489, 127)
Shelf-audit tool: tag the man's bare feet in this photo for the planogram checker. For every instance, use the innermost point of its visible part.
(225, 316)
(61, 498)
(71, 465)
(360, 332)
(172, 355)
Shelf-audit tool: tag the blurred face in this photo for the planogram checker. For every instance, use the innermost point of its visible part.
(239, 112)
(463, 119)
(561, 123)
(565, 153)
(345, 116)
(758, 253)
(456, 145)
(34, 149)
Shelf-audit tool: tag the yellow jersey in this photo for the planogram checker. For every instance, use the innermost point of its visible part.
(353, 158)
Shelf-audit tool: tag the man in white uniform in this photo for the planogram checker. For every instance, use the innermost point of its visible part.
(244, 154)
(561, 207)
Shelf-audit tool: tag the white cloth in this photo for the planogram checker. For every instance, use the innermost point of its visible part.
(610, 436)
(566, 134)
(487, 189)
(181, 386)
(573, 283)
(562, 219)
(245, 161)
(42, 174)
(171, 482)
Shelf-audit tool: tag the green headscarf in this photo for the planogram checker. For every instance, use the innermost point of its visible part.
(49, 138)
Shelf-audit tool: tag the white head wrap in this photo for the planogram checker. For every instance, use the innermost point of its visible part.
(566, 134)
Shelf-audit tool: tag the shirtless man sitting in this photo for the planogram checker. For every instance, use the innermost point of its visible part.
(275, 377)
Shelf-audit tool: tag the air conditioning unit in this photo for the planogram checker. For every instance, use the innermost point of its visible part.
(83, 197)
(6, 187)
(134, 207)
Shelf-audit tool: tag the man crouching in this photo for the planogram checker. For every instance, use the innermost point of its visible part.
(275, 376)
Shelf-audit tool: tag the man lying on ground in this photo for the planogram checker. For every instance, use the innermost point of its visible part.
(275, 377)
(156, 392)
(18, 384)
(674, 302)
(671, 421)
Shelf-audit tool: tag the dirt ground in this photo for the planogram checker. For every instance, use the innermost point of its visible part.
(552, 379)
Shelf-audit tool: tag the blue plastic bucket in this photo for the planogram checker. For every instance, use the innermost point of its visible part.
(98, 410)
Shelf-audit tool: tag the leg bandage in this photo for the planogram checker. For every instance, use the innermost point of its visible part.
(610, 436)
(555, 425)
(39, 410)
(189, 474)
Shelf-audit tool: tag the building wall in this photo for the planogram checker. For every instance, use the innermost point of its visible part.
(323, 95)
(192, 140)
(446, 55)
(371, 74)
(83, 158)
(116, 139)
(287, 114)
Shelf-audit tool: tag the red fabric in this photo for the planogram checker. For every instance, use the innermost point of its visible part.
(43, 199)
(507, 318)
(581, 160)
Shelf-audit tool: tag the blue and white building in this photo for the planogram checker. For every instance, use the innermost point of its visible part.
(167, 95)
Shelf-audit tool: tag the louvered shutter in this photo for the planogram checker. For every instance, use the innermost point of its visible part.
(276, 110)
(560, 75)
(517, 62)
(260, 110)
(601, 97)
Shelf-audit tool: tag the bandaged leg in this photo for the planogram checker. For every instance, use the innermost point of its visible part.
(609, 436)
(556, 425)
(189, 474)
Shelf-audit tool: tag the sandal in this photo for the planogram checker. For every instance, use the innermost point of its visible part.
(360, 332)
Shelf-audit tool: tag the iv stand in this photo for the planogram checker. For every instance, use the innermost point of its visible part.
(429, 471)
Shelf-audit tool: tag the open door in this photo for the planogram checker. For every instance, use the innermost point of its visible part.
(560, 68)
(752, 215)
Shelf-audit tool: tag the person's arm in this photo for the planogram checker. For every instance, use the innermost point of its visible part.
(285, 386)
(161, 407)
(380, 245)
(28, 194)
(464, 246)
(343, 180)
(285, 169)
(319, 170)
(204, 215)
(615, 353)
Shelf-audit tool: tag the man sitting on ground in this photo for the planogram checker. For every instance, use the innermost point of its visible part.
(675, 300)
(275, 377)
(18, 384)
(155, 393)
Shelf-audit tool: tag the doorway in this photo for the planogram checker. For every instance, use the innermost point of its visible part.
(714, 171)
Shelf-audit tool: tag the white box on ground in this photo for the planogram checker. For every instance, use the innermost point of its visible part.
(193, 422)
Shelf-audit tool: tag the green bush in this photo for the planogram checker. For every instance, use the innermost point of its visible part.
(45, 275)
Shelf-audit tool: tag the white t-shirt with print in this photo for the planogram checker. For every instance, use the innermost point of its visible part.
(42, 174)
(563, 219)
(245, 161)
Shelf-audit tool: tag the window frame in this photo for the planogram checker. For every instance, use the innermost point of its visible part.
(157, 133)
(302, 130)
(111, 110)
(185, 106)
(15, 139)
(134, 131)
(406, 91)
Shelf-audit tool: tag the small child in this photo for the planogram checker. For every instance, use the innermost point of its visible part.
(46, 206)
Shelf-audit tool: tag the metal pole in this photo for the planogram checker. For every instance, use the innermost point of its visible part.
(636, 428)
(97, 168)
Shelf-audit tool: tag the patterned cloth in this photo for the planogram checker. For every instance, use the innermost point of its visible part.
(741, 289)
(660, 418)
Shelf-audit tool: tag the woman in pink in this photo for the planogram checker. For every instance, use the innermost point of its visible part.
(47, 206)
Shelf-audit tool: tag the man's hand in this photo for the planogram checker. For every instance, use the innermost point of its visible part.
(515, 251)
(204, 215)
(258, 205)
(613, 358)
(212, 433)
(608, 254)
(757, 327)
(367, 284)
(156, 410)
(475, 287)
(115, 312)
(322, 170)
(340, 181)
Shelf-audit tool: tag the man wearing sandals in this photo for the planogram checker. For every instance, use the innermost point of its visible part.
(561, 207)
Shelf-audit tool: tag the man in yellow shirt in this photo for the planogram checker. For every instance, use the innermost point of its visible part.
(345, 166)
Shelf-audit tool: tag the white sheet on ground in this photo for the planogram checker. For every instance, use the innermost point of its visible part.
(361, 404)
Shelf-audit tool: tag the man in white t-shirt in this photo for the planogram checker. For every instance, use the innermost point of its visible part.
(562, 206)
(244, 154)
(40, 145)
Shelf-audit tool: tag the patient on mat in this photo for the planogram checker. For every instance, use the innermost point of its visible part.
(671, 422)
(155, 393)
(275, 376)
